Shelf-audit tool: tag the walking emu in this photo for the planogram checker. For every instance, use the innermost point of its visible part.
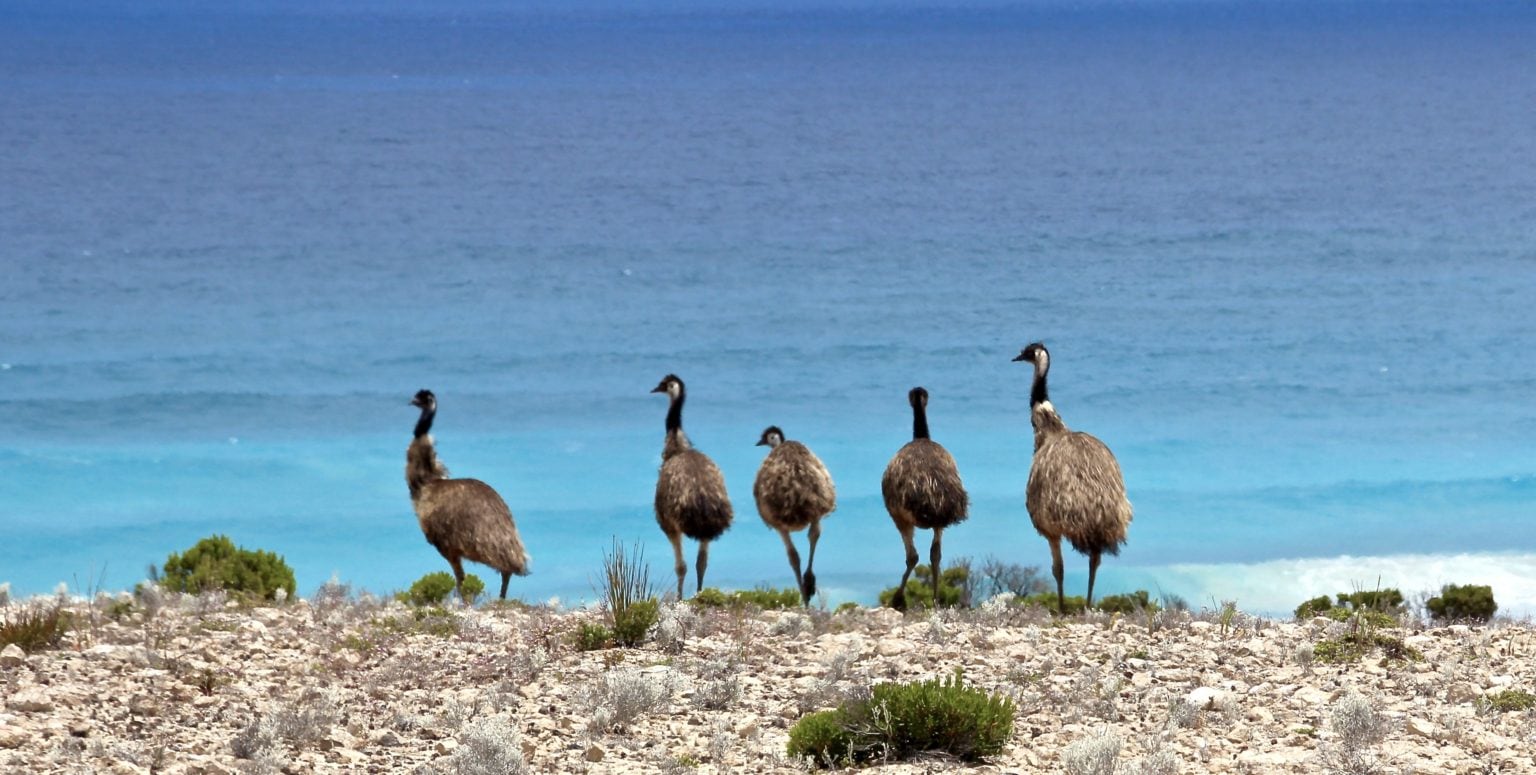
(1075, 487)
(794, 491)
(690, 492)
(464, 518)
(922, 489)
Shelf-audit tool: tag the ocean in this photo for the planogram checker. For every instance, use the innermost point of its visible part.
(1281, 252)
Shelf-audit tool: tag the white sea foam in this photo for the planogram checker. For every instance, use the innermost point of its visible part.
(1276, 587)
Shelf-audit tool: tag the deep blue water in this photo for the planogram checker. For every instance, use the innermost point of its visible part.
(1282, 253)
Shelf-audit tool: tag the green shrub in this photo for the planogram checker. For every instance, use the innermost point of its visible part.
(591, 636)
(215, 563)
(1129, 603)
(900, 721)
(1314, 607)
(36, 629)
(952, 584)
(1507, 701)
(1376, 607)
(434, 589)
(1387, 600)
(1352, 646)
(761, 597)
(627, 587)
(1075, 604)
(1457, 602)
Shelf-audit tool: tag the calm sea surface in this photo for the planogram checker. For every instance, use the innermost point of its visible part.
(1282, 253)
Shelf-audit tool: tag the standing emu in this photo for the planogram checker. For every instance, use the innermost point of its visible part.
(922, 489)
(464, 518)
(793, 491)
(1075, 488)
(690, 492)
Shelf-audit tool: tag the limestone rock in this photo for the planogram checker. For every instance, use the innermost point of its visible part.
(12, 656)
(594, 753)
(32, 699)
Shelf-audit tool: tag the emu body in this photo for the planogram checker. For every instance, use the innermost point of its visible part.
(794, 491)
(922, 489)
(690, 491)
(1075, 490)
(465, 519)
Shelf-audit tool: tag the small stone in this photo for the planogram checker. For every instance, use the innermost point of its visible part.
(594, 753)
(747, 730)
(1207, 698)
(1420, 728)
(1462, 692)
(13, 738)
(446, 746)
(389, 739)
(143, 705)
(1141, 680)
(349, 756)
(12, 656)
(30, 700)
(80, 728)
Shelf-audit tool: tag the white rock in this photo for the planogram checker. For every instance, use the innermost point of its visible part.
(446, 746)
(1420, 728)
(1207, 698)
(12, 656)
(31, 699)
(891, 647)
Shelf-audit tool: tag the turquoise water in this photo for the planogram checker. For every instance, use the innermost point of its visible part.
(1281, 253)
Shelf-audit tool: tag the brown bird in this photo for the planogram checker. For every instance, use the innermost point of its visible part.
(794, 491)
(922, 489)
(464, 518)
(1075, 488)
(690, 492)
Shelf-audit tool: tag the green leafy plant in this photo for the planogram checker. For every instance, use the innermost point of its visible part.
(1353, 646)
(1378, 607)
(36, 629)
(434, 589)
(1463, 602)
(761, 597)
(591, 636)
(631, 600)
(1314, 607)
(1507, 701)
(899, 721)
(216, 563)
(952, 585)
(1075, 604)
(1128, 603)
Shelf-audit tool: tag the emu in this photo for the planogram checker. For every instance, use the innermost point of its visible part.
(464, 518)
(922, 489)
(1075, 488)
(794, 491)
(690, 492)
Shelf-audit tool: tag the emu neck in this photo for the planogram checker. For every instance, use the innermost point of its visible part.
(422, 465)
(919, 422)
(677, 443)
(675, 415)
(1037, 394)
(424, 425)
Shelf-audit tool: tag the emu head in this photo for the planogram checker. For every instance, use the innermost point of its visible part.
(772, 437)
(671, 385)
(425, 400)
(918, 397)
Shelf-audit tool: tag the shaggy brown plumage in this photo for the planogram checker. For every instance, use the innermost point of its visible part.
(464, 518)
(922, 489)
(690, 492)
(794, 491)
(1075, 487)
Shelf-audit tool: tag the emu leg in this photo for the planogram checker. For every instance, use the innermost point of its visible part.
(505, 577)
(899, 600)
(458, 576)
(933, 560)
(809, 589)
(794, 561)
(1093, 569)
(680, 566)
(1056, 570)
(698, 567)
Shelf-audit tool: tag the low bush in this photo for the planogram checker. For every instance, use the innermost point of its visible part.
(627, 589)
(952, 586)
(899, 721)
(1463, 602)
(216, 563)
(1353, 646)
(434, 589)
(591, 636)
(1508, 701)
(1375, 607)
(1128, 603)
(36, 629)
(762, 597)
(1075, 604)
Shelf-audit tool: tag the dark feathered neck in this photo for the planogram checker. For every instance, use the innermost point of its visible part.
(1037, 393)
(675, 414)
(919, 421)
(424, 425)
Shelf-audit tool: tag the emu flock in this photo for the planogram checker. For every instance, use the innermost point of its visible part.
(1075, 491)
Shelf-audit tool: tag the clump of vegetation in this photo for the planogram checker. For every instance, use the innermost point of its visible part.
(1507, 701)
(1376, 607)
(434, 589)
(1095, 755)
(36, 629)
(1139, 601)
(591, 636)
(998, 577)
(216, 563)
(1075, 604)
(953, 583)
(761, 597)
(898, 721)
(1463, 602)
(1355, 645)
(382, 632)
(627, 589)
(622, 696)
(1358, 727)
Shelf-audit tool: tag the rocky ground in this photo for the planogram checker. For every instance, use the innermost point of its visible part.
(341, 684)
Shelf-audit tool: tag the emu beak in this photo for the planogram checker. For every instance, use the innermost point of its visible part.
(1020, 358)
(662, 388)
(761, 443)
